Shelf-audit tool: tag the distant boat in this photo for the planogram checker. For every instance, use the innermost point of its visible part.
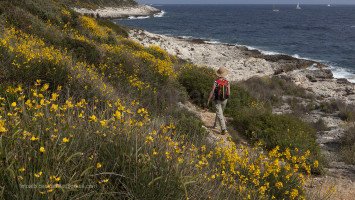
(275, 9)
(328, 4)
(298, 6)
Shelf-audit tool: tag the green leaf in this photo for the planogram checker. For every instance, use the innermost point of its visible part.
(151, 182)
(79, 153)
(11, 172)
(86, 170)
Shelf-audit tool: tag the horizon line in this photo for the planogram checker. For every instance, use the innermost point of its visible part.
(245, 4)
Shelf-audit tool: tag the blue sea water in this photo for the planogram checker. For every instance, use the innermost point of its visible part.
(315, 32)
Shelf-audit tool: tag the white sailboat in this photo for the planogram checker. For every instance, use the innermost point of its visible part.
(298, 6)
(329, 4)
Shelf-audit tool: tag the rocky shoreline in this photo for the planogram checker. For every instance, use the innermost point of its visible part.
(316, 78)
(139, 10)
(243, 64)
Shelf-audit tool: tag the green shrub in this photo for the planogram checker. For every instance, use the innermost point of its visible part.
(120, 30)
(5, 60)
(198, 83)
(273, 130)
(347, 112)
(238, 99)
(347, 152)
(16, 17)
(94, 4)
(45, 10)
(270, 90)
(331, 107)
(82, 50)
(189, 126)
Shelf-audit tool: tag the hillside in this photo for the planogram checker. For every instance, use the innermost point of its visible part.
(87, 112)
(93, 4)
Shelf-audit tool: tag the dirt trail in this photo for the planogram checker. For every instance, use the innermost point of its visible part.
(343, 183)
(208, 119)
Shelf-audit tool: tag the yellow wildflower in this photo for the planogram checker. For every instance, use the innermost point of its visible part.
(279, 185)
(38, 174)
(93, 118)
(316, 163)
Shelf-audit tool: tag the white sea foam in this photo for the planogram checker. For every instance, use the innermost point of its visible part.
(305, 58)
(249, 47)
(262, 51)
(296, 55)
(270, 52)
(212, 42)
(186, 37)
(161, 14)
(141, 17)
(313, 67)
(206, 40)
(339, 72)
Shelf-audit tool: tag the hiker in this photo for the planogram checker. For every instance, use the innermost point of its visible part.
(221, 92)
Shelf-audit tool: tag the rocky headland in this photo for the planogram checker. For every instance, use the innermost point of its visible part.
(138, 10)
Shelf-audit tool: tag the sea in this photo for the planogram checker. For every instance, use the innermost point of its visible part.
(322, 33)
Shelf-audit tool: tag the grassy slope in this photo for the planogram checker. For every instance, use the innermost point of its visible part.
(83, 106)
(98, 3)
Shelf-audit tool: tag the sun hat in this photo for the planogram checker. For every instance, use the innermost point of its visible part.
(221, 72)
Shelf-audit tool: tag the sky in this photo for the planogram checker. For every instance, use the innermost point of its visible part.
(246, 1)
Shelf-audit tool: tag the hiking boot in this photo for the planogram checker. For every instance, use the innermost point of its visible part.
(223, 132)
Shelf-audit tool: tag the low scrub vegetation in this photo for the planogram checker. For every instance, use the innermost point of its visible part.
(86, 112)
(347, 151)
(345, 111)
(271, 90)
(92, 4)
(253, 117)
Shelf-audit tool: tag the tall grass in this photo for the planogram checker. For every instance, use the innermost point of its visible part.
(88, 113)
(45, 140)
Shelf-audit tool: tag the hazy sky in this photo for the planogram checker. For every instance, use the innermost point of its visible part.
(246, 1)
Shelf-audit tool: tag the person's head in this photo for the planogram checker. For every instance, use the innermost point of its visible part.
(221, 72)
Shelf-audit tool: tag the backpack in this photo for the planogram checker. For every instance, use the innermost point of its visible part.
(222, 92)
